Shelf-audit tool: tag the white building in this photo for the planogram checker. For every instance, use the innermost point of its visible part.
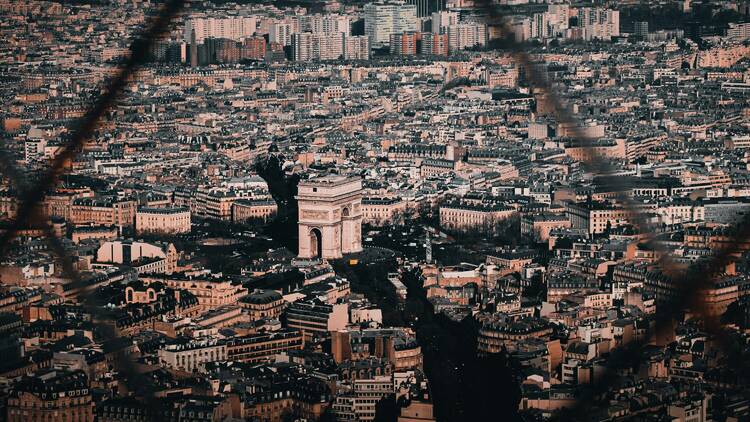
(599, 23)
(384, 19)
(319, 46)
(230, 27)
(326, 24)
(162, 220)
(281, 32)
(152, 257)
(466, 35)
(442, 20)
(192, 356)
(308, 46)
(738, 31)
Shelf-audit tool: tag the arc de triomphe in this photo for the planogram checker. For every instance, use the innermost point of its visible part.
(330, 217)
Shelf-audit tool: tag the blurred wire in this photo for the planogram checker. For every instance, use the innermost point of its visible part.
(86, 127)
(32, 197)
(696, 278)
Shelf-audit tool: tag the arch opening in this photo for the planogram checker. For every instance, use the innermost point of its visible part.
(316, 243)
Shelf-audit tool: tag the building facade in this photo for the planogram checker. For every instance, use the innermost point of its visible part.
(53, 395)
(162, 220)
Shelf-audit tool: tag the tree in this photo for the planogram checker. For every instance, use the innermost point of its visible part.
(386, 409)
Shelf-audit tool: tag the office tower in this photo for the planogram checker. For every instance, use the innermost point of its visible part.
(640, 30)
(384, 19)
(442, 20)
(426, 7)
(193, 50)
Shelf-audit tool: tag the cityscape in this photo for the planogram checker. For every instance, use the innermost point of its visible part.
(375, 210)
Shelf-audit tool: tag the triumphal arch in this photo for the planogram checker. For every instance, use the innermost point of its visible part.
(330, 216)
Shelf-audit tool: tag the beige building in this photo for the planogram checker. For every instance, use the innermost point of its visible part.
(330, 217)
(417, 411)
(382, 211)
(192, 356)
(540, 225)
(263, 304)
(215, 203)
(596, 217)
(145, 257)
(211, 293)
(52, 395)
(317, 319)
(263, 347)
(83, 233)
(462, 216)
(253, 209)
(162, 220)
(103, 211)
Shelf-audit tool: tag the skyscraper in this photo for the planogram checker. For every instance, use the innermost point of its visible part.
(281, 32)
(193, 50)
(384, 19)
(640, 29)
(426, 7)
(442, 20)
(599, 23)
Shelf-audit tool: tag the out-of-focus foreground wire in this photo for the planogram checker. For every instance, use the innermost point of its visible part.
(695, 278)
(32, 197)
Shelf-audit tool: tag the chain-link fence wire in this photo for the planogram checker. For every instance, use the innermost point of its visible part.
(694, 280)
(689, 295)
(31, 198)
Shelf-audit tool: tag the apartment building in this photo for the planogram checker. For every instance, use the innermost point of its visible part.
(191, 356)
(464, 216)
(51, 395)
(103, 212)
(382, 211)
(244, 210)
(597, 216)
(211, 293)
(261, 304)
(263, 347)
(162, 220)
(315, 318)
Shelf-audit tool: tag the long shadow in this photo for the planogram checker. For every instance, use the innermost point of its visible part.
(464, 385)
(283, 189)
